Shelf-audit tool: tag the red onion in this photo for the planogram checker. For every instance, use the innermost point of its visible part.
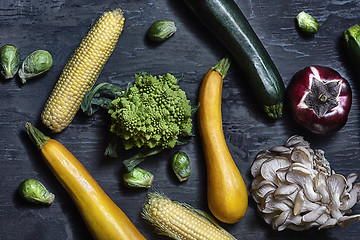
(320, 99)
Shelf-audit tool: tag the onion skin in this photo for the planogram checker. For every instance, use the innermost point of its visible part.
(334, 119)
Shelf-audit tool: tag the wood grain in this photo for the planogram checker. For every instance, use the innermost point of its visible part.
(58, 26)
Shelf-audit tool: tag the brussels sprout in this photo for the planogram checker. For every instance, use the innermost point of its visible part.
(138, 178)
(35, 192)
(307, 23)
(181, 165)
(161, 30)
(10, 60)
(35, 64)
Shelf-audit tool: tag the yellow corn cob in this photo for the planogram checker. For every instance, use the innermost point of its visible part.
(180, 221)
(82, 70)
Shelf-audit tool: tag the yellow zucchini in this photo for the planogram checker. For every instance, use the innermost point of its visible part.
(104, 219)
(226, 190)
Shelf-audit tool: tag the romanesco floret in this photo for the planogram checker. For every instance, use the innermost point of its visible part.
(152, 113)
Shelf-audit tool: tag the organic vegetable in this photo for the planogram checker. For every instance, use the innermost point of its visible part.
(34, 191)
(180, 164)
(227, 22)
(153, 113)
(10, 60)
(35, 64)
(295, 188)
(102, 216)
(226, 190)
(320, 99)
(138, 178)
(181, 221)
(307, 23)
(352, 46)
(161, 30)
(82, 70)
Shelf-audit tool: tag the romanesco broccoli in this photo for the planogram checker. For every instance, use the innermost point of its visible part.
(153, 112)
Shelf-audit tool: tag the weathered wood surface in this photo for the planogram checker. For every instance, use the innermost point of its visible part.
(58, 26)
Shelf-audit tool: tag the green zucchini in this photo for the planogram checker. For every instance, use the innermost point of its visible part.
(228, 23)
(352, 46)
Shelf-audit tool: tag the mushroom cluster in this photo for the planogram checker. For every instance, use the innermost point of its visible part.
(295, 188)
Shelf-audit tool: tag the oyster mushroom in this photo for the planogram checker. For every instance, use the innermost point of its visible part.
(262, 189)
(354, 197)
(302, 177)
(329, 223)
(303, 205)
(269, 204)
(281, 218)
(258, 179)
(280, 149)
(321, 187)
(322, 219)
(314, 215)
(299, 202)
(286, 191)
(295, 141)
(351, 178)
(336, 184)
(320, 162)
(302, 155)
(281, 175)
(295, 188)
(346, 220)
(255, 167)
(269, 167)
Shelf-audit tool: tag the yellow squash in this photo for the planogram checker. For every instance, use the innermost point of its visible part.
(104, 219)
(226, 190)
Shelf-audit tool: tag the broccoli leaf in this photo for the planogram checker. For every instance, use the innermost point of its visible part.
(139, 157)
(100, 97)
(113, 147)
(195, 108)
(182, 140)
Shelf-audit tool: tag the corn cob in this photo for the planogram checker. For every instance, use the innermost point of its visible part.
(82, 70)
(180, 221)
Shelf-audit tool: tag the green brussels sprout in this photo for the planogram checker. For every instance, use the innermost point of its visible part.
(138, 178)
(307, 23)
(161, 30)
(10, 60)
(35, 64)
(35, 192)
(181, 165)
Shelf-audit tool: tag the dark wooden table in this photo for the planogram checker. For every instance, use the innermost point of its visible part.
(58, 26)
